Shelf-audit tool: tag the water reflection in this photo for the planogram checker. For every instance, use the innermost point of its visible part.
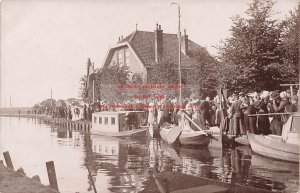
(86, 163)
(122, 160)
(128, 163)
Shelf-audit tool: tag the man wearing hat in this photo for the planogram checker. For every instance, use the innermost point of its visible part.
(205, 114)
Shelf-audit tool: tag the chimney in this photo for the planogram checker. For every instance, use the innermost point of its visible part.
(158, 43)
(184, 43)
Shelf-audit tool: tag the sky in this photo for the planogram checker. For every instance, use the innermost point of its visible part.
(45, 44)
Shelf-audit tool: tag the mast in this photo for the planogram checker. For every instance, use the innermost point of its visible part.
(179, 57)
(51, 104)
(93, 91)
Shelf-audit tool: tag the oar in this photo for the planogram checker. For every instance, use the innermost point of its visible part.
(195, 124)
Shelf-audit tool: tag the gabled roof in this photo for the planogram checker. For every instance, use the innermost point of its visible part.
(143, 44)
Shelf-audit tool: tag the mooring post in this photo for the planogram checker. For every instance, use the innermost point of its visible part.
(8, 160)
(166, 182)
(52, 175)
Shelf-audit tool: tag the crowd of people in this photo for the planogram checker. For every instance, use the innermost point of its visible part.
(268, 111)
(231, 113)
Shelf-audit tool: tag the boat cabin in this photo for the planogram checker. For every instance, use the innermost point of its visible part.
(119, 121)
(290, 130)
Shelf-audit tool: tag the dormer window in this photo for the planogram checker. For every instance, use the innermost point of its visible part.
(120, 58)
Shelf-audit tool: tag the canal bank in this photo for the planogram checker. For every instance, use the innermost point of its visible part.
(16, 182)
(78, 125)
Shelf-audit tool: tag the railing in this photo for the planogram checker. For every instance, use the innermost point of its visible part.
(255, 115)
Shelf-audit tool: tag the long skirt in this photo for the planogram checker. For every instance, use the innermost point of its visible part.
(276, 126)
(263, 125)
(197, 120)
(218, 116)
(237, 125)
(151, 117)
(252, 125)
(159, 114)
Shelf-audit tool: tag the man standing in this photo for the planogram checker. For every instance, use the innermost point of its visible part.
(205, 115)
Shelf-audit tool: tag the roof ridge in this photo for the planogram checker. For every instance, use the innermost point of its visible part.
(132, 35)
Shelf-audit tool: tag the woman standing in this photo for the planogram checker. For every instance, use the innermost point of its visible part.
(263, 123)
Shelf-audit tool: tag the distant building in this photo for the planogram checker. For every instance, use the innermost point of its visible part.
(141, 50)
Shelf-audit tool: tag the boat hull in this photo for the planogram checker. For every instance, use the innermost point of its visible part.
(195, 138)
(131, 133)
(192, 138)
(242, 140)
(274, 147)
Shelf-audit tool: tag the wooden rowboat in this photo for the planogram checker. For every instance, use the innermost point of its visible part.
(284, 147)
(175, 134)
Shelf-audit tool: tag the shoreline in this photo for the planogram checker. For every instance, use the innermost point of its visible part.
(16, 182)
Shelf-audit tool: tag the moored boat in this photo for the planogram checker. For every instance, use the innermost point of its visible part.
(284, 147)
(178, 134)
(194, 138)
(119, 124)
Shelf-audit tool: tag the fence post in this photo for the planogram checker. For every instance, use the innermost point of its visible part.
(8, 160)
(52, 175)
(166, 182)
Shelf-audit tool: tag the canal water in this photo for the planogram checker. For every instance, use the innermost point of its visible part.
(83, 162)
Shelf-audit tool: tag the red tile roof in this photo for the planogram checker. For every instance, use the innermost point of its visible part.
(143, 43)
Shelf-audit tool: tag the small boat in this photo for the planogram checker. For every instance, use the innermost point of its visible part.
(119, 124)
(284, 147)
(242, 140)
(176, 134)
(220, 140)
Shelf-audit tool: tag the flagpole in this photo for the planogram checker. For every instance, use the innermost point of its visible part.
(51, 104)
(179, 55)
(93, 91)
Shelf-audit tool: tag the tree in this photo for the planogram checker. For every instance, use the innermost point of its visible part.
(48, 103)
(204, 73)
(290, 48)
(163, 73)
(106, 80)
(253, 50)
(113, 74)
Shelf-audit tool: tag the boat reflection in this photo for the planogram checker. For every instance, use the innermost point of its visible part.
(125, 164)
(278, 174)
(121, 160)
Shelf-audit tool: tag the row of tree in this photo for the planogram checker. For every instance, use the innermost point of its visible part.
(261, 53)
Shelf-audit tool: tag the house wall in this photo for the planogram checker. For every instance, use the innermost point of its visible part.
(134, 64)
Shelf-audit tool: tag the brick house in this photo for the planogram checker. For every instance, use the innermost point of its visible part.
(141, 50)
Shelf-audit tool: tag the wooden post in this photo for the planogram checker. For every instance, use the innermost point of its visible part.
(166, 182)
(52, 175)
(8, 160)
